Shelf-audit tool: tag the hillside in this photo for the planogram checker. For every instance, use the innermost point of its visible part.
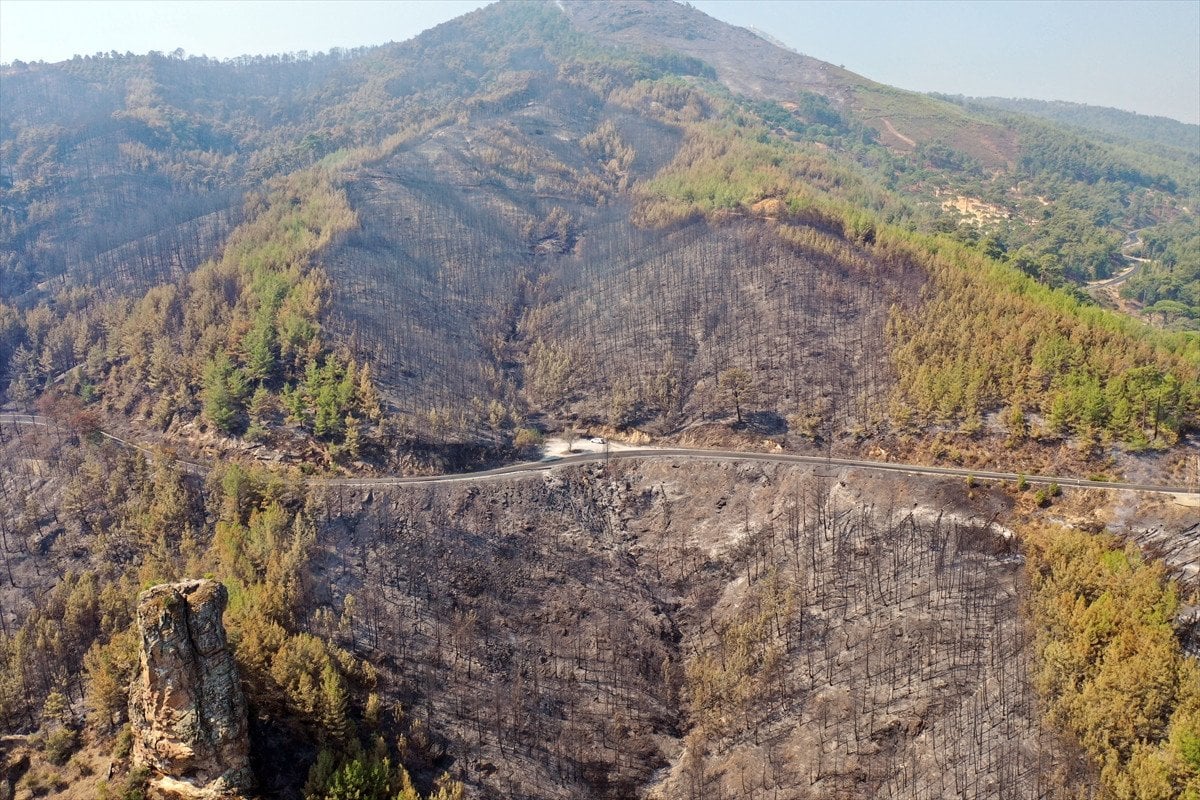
(224, 283)
(643, 630)
(495, 263)
(751, 66)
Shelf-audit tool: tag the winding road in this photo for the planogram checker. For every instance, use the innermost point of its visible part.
(1131, 240)
(194, 468)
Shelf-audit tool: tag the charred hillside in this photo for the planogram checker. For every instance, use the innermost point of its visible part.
(499, 262)
(458, 229)
(787, 635)
(231, 290)
(428, 254)
(667, 630)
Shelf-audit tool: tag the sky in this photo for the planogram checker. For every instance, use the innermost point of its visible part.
(1142, 55)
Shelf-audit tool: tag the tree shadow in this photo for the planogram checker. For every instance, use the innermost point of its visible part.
(768, 423)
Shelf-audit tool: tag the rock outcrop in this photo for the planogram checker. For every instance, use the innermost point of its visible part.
(186, 705)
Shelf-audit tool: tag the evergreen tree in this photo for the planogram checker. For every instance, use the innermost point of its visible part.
(222, 393)
(739, 386)
(260, 346)
(361, 778)
(334, 707)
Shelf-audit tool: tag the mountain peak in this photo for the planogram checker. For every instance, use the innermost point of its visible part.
(746, 62)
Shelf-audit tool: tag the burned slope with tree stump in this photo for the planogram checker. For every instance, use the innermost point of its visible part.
(731, 631)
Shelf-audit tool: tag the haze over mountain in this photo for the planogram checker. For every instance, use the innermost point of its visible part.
(1109, 121)
(1102, 53)
(232, 293)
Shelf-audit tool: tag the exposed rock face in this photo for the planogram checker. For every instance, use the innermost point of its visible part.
(186, 706)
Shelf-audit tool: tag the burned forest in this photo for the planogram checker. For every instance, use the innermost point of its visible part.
(790, 639)
(590, 401)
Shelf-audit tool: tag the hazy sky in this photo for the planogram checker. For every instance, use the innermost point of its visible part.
(1141, 56)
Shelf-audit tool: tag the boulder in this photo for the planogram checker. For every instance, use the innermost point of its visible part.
(186, 705)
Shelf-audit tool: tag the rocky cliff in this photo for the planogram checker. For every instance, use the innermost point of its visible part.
(186, 704)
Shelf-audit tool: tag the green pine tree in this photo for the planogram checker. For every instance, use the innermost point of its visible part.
(335, 703)
(222, 393)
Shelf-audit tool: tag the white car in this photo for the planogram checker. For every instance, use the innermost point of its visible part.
(597, 440)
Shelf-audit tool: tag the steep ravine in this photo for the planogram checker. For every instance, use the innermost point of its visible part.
(678, 631)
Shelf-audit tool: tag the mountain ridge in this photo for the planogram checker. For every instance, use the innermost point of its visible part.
(1104, 119)
(552, 143)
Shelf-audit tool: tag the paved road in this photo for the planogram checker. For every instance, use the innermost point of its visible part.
(739, 455)
(681, 453)
(1132, 240)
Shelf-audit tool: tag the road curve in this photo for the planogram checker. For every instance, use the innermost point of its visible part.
(650, 452)
(1132, 239)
